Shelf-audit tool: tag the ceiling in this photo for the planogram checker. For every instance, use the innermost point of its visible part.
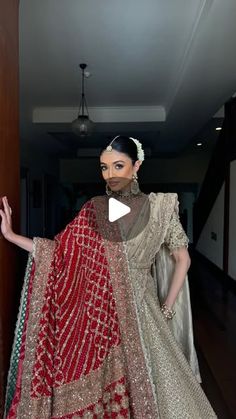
(160, 70)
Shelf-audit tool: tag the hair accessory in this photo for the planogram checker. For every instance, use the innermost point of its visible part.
(109, 147)
(140, 152)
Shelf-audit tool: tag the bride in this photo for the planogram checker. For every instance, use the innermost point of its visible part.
(104, 327)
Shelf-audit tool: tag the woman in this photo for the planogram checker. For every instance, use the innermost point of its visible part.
(92, 340)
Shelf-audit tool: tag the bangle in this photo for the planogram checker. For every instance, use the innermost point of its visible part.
(168, 312)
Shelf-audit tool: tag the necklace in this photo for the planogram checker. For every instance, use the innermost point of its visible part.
(125, 194)
(132, 192)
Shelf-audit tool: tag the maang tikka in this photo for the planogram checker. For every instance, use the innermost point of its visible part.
(109, 147)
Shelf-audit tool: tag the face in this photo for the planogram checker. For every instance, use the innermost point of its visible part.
(117, 169)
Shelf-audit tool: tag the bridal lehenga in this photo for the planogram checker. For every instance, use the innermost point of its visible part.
(91, 341)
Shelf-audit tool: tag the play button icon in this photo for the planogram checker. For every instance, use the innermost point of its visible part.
(116, 210)
(122, 217)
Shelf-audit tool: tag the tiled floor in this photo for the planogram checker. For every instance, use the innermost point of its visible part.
(214, 312)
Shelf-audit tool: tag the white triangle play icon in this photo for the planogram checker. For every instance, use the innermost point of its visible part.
(116, 209)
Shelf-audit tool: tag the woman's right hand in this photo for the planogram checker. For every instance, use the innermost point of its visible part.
(6, 228)
(6, 222)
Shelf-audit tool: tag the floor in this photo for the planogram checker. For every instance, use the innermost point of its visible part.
(214, 314)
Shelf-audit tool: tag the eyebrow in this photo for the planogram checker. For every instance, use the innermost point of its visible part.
(118, 161)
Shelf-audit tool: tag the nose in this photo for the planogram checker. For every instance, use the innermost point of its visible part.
(110, 172)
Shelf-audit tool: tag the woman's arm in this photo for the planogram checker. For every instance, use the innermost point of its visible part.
(6, 228)
(182, 264)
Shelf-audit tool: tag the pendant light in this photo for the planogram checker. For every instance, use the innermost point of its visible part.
(82, 126)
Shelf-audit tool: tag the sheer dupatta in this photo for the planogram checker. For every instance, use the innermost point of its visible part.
(181, 324)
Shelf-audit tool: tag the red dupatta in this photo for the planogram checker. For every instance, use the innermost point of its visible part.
(78, 348)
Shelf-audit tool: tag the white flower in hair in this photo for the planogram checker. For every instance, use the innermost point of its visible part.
(140, 152)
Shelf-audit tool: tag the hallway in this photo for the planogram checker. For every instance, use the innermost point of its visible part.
(214, 312)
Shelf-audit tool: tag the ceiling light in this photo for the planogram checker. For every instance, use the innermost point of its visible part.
(218, 128)
(199, 144)
(82, 125)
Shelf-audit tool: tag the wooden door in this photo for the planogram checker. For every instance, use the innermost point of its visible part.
(9, 175)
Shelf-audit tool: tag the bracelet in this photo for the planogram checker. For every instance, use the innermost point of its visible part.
(168, 312)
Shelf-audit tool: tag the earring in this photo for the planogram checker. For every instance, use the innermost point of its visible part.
(108, 190)
(134, 187)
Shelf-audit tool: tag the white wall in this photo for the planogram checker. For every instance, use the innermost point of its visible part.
(232, 222)
(210, 248)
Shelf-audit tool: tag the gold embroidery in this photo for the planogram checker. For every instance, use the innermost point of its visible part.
(175, 236)
(142, 400)
(158, 377)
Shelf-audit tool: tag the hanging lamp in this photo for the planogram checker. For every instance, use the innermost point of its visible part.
(82, 126)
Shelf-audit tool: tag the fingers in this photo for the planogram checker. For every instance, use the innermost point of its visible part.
(6, 206)
(3, 216)
(7, 209)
